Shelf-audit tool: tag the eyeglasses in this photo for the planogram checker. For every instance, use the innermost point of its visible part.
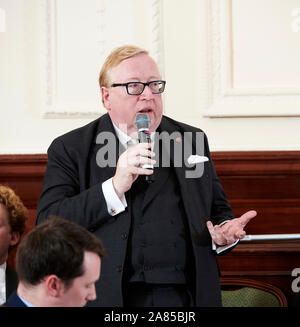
(137, 88)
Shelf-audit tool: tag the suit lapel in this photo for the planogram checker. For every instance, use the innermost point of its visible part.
(193, 190)
(105, 144)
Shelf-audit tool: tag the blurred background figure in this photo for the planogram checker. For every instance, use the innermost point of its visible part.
(13, 218)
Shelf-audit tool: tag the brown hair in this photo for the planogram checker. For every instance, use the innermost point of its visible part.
(57, 247)
(115, 57)
(17, 212)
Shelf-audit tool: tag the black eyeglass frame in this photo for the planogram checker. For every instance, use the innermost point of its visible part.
(144, 84)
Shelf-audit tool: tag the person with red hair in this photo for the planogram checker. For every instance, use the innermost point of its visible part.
(13, 218)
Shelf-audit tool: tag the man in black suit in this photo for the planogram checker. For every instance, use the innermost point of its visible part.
(13, 218)
(160, 237)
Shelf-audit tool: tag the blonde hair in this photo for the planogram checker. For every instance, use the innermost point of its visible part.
(115, 57)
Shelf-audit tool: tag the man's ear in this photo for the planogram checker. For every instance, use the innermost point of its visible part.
(105, 97)
(15, 238)
(54, 285)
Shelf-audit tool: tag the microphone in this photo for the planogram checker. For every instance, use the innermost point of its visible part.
(142, 123)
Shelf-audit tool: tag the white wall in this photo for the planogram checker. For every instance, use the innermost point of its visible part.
(231, 67)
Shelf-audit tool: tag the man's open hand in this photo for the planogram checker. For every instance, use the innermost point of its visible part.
(232, 230)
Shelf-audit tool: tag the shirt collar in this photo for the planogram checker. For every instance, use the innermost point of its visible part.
(2, 283)
(124, 138)
(28, 304)
(3, 266)
(2, 272)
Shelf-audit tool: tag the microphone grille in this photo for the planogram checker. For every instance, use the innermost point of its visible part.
(142, 121)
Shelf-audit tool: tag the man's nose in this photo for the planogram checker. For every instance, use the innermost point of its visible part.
(147, 93)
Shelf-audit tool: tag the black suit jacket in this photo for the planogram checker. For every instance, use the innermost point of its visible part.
(72, 189)
(14, 301)
(11, 281)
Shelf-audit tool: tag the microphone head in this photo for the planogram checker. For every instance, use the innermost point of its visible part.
(142, 122)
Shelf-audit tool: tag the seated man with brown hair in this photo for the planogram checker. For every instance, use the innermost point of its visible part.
(13, 218)
(58, 263)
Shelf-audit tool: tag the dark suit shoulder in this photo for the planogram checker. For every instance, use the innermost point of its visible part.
(11, 280)
(14, 301)
(78, 134)
(10, 271)
(80, 139)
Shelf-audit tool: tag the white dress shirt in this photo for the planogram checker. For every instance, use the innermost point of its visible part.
(27, 303)
(3, 283)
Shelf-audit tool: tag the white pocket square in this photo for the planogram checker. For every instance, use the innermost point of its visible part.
(194, 159)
